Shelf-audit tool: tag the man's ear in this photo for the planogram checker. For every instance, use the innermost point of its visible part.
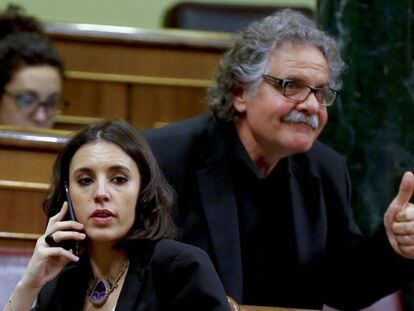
(239, 99)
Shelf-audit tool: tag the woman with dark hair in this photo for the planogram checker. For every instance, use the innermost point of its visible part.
(127, 262)
(31, 72)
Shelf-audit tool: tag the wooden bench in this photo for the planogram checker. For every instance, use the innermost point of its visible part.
(28, 155)
(143, 76)
(26, 161)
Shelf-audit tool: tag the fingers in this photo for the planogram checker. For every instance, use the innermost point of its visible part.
(61, 231)
(64, 226)
(405, 240)
(45, 264)
(58, 253)
(399, 218)
(60, 236)
(403, 228)
(403, 232)
(406, 214)
(58, 230)
(407, 251)
(405, 191)
(59, 216)
(56, 222)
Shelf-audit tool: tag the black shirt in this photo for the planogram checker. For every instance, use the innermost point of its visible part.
(265, 214)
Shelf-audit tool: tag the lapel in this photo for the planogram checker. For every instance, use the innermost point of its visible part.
(219, 206)
(134, 285)
(308, 208)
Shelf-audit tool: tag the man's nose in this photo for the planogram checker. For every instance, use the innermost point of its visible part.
(310, 105)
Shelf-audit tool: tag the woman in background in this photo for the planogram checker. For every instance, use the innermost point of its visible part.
(31, 72)
(127, 262)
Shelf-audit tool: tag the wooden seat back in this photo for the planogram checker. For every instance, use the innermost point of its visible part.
(143, 76)
(26, 161)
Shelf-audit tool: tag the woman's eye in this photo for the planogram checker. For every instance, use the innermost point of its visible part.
(85, 181)
(119, 180)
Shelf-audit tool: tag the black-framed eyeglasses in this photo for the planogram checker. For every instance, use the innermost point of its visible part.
(299, 91)
(29, 103)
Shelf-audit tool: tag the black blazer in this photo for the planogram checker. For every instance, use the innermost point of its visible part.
(333, 263)
(166, 276)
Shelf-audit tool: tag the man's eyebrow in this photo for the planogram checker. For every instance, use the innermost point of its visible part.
(293, 77)
(296, 78)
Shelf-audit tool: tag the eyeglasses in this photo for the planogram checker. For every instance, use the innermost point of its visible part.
(299, 91)
(29, 103)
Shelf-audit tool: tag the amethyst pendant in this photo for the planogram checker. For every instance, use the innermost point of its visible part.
(100, 292)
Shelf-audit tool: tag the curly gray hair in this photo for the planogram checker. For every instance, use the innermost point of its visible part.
(246, 61)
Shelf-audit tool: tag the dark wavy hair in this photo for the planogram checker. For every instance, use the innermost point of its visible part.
(14, 19)
(23, 43)
(21, 49)
(152, 220)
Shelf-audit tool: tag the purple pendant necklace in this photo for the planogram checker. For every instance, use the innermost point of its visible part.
(100, 289)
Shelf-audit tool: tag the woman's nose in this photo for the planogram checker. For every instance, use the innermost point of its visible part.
(101, 193)
(40, 115)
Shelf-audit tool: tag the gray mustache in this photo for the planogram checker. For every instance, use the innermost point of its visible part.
(300, 117)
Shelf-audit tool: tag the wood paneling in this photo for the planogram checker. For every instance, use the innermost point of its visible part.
(152, 104)
(21, 211)
(73, 123)
(141, 76)
(142, 101)
(96, 99)
(26, 161)
(159, 61)
(25, 165)
(28, 155)
(134, 51)
(22, 219)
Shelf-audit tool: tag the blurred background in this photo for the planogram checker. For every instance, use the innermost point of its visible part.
(143, 14)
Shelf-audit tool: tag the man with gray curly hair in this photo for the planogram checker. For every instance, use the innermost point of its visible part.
(259, 193)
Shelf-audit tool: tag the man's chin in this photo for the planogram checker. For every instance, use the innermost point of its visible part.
(302, 146)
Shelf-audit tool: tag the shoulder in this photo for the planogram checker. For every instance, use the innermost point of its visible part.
(167, 250)
(321, 151)
(324, 163)
(173, 258)
(324, 158)
(184, 277)
(179, 131)
(179, 142)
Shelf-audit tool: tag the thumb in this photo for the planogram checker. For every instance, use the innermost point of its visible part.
(405, 191)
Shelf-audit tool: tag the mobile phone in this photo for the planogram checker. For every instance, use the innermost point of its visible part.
(70, 215)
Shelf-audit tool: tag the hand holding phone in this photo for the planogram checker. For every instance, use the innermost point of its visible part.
(73, 245)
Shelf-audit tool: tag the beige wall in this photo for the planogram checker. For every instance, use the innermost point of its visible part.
(135, 13)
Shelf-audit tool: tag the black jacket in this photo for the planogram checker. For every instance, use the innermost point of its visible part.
(166, 276)
(332, 262)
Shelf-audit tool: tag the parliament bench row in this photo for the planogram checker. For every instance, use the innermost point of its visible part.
(143, 76)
